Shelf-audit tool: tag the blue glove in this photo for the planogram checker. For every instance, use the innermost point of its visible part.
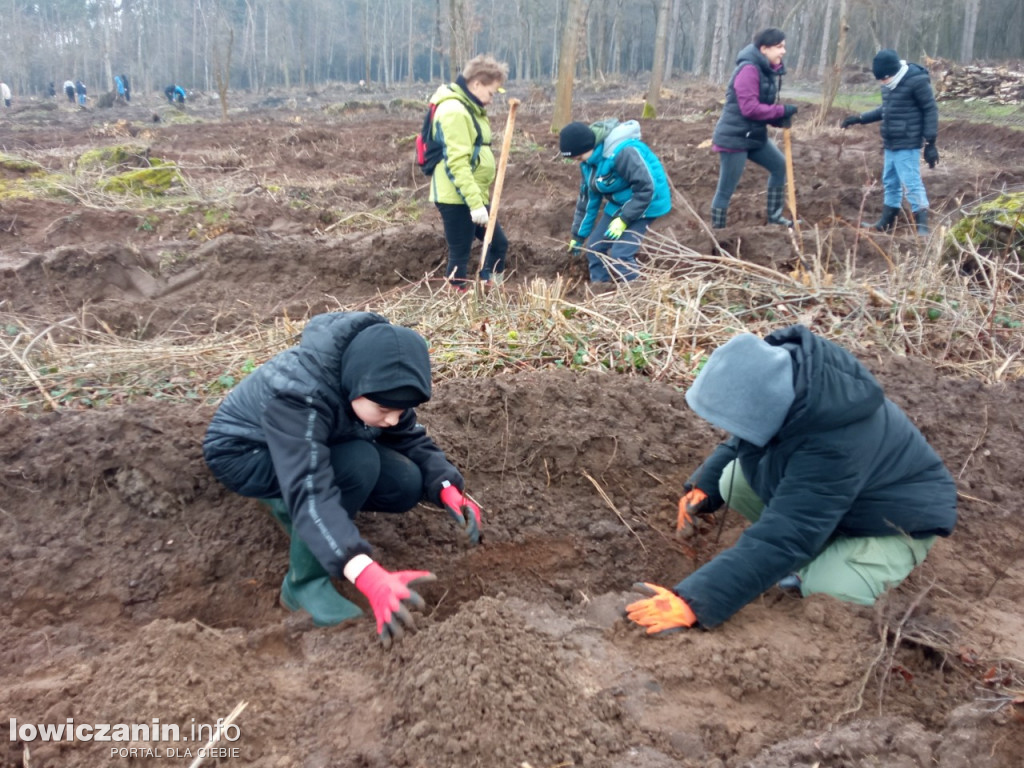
(616, 228)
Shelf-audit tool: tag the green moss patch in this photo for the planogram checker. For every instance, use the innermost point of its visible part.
(991, 226)
(123, 156)
(156, 180)
(19, 165)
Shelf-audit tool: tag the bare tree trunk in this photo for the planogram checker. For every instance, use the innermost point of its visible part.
(615, 51)
(673, 32)
(826, 36)
(556, 50)
(599, 43)
(367, 73)
(702, 38)
(410, 53)
(720, 41)
(970, 27)
(835, 75)
(658, 64)
(249, 46)
(440, 44)
(562, 110)
(459, 18)
(222, 72)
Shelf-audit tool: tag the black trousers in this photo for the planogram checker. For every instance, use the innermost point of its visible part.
(459, 232)
(370, 476)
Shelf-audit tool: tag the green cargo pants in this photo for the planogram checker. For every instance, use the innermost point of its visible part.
(855, 570)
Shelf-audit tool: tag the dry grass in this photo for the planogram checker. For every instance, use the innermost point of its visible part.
(662, 327)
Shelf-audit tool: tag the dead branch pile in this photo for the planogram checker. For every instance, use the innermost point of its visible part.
(999, 85)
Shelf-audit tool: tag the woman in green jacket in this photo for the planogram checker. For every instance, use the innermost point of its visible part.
(461, 182)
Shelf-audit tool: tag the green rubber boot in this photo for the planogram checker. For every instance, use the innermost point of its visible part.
(307, 586)
(279, 512)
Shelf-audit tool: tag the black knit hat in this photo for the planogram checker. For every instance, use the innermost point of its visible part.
(575, 139)
(400, 397)
(886, 64)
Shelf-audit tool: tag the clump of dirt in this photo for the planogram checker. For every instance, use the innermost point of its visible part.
(486, 686)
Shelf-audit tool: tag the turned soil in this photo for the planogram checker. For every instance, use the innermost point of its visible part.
(137, 587)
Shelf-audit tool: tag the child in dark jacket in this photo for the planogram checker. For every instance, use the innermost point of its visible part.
(844, 494)
(909, 119)
(328, 428)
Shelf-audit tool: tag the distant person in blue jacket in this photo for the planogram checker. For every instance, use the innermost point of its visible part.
(624, 174)
(121, 84)
(80, 90)
(844, 495)
(175, 93)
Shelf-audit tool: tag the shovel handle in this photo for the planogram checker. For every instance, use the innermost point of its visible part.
(787, 142)
(499, 181)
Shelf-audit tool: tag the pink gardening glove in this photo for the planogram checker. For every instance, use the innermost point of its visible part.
(463, 510)
(390, 598)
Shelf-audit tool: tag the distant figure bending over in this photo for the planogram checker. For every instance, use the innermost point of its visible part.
(175, 93)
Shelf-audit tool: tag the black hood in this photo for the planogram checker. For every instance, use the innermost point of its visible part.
(385, 357)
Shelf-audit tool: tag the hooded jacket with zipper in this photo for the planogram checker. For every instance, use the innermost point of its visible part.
(625, 172)
(298, 404)
(846, 462)
(467, 168)
(739, 132)
(908, 111)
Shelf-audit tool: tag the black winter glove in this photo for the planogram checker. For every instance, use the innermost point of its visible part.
(787, 115)
(931, 154)
(851, 120)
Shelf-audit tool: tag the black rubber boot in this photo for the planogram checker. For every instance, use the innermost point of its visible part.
(886, 222)
(773, 206)
(307, 586)
(921, 217)
(718, 216)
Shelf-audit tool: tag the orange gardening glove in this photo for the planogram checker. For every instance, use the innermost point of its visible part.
(665, 610)
(693, 502)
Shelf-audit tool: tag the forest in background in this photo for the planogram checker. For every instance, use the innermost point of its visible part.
(264, 44)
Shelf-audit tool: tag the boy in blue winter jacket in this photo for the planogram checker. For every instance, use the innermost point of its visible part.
(618, 169)
(909, 119)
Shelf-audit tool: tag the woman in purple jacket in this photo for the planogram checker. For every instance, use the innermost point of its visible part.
(742, 130)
